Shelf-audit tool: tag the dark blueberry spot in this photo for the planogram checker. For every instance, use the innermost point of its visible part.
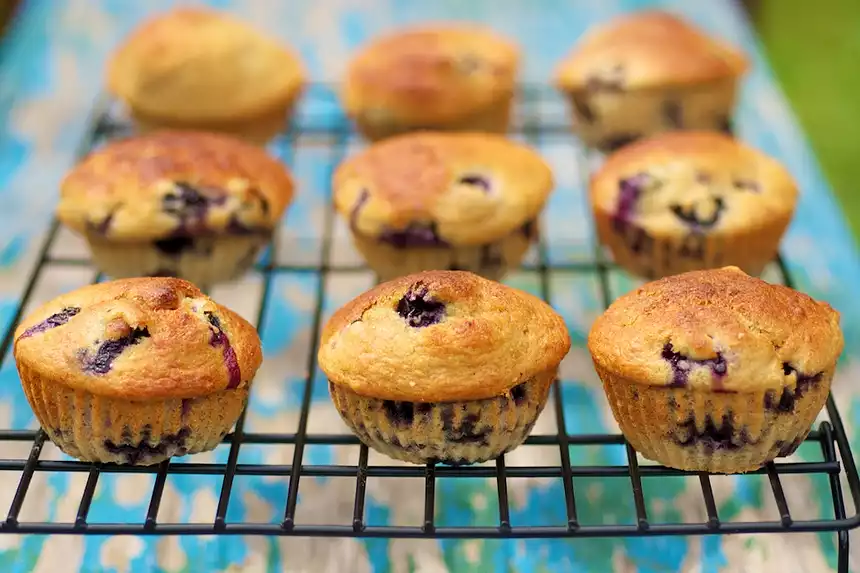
(453, 461)
(356, 209)
(725, 125)
(703, 178)
(693, 247)
(616, 142)
(144, 449)
(186, 407)
(635, 395)
(53, 321)
(611, 80)
(787, 449)
(639, 240)
(174, 246)
(529, 229)
(673, 404)
(109, 350)
(219, 338)
(102, 226)
(747, 185)
(261, 199)
(467, 433)
(475, 181)
(414, 235)
(419, 309)
(185, 199)
(423, 408)
(682, 365)
(629, 191)
(691, 217)
(470, 63)
(673, 112)
(399, 413)
(788, 398)
(713, 437)
(519, 393)
(583, 110)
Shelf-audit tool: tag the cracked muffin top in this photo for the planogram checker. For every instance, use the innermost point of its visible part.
(431, 73)
(175, 184)
(197, 65)
(435, 189)
(648, 49)
(139, 339)
(693, 181)
(441, 336)
(718, 330)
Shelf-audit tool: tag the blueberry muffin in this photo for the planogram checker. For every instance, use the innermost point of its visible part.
(193, 205)
(196, 68)
(715, 370)
(135, 371)
(442, 366)
(446, 77)
(443, 201)
(685, 200)
(646, 73)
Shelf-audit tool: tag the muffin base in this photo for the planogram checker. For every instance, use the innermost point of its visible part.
(609, 118)
(211, 259)
(716, 432)
(653, 255)
(494, 118)
(492, 261)
(258, 130)
(94, 428)
(456, 433)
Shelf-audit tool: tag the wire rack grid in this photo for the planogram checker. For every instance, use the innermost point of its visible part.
(322, 123)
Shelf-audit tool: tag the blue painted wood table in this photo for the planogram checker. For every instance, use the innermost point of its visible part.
(50, 74)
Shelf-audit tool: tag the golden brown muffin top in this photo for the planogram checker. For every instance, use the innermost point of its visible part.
(431, 73)
(648, 49)
(441, 336)
(175, 183)
(687, 181)
(191, 65)
(432, 189)
(139, 339)
(718, 330)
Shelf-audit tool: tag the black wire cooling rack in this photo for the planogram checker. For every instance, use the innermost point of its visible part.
(837, 464)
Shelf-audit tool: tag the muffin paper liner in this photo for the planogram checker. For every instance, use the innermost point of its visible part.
(456, 433)
(494, 118)
(610, 117)
(652, 256)
(492, 261)
(717, 432)
(99, 429)
(211, 260)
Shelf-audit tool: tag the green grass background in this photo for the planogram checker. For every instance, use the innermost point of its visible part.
(814, 48)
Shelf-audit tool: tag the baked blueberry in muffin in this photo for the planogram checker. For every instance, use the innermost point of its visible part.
(442, 366)
(645, 73)
(685, 200)
(193, 205)
(443, 201)
(446, 77)
(196, 68)
(715, 370)
(135, 371)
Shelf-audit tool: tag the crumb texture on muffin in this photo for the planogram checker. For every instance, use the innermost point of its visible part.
(648, 49)
(138, 339)
(719, 330)
(439, 190)
(688, 200)
(441, 336)
(173, 185)
(197, 65)
(430, 74)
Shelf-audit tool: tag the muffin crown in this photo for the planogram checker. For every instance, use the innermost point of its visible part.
(718, 330)
(432, 73)
(441, 336)
(139, 339)
(648, 49)
(703, 182)
(175, 184)
(458, 188)
(199, 65)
